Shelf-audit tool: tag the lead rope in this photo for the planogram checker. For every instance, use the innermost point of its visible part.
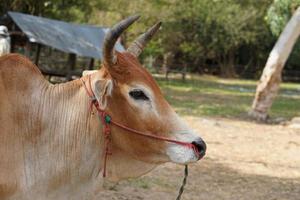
(106, 121)
(186, 173)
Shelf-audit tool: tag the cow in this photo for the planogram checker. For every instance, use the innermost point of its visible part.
(51, 139)
(4, 41)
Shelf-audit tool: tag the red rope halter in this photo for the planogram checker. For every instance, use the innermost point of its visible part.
(107, 121)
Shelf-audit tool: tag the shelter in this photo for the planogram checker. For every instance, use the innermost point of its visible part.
(36, 33)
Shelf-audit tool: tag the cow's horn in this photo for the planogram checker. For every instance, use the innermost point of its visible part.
(136, 48)
(112, 36)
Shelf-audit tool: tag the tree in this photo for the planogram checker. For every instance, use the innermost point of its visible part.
(212, 30)
(67, 10)
(270, 80)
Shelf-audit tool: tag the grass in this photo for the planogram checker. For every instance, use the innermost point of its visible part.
(216, 97)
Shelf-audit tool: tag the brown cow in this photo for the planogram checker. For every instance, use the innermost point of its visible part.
(51, 144)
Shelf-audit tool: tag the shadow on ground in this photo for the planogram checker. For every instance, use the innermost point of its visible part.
(209, 180)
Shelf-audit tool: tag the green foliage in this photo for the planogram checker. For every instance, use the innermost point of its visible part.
(279, 14)
(277, 17)
(67, 10)
(214, 30)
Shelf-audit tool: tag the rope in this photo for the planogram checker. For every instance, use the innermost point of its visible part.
(106, 121)
(152, 136)
(186, 173)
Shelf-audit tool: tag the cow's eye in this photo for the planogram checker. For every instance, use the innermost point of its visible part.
(138, 95)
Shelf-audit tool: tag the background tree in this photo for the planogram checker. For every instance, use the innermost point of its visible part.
(271, 78)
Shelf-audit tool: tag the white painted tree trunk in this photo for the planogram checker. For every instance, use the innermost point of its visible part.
(270, 80)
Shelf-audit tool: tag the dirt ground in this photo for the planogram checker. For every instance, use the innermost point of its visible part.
(245, 161)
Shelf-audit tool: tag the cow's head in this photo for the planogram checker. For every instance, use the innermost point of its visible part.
(127, 91)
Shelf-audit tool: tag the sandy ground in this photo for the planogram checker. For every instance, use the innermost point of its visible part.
(245, 161)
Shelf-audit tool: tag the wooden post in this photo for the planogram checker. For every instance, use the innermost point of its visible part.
(184, 70)
(37, 55)
(91, 65)
(71, 65)
(12, 39)
(27, 49)
(168, 60)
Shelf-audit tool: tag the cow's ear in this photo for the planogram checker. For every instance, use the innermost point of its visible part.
(103, 89)
(88, 72)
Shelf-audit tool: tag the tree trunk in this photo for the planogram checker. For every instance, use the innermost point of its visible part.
(270, 80)
(168, 59)
(227, 65)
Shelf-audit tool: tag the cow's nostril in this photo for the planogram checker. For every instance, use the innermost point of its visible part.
(201, 147)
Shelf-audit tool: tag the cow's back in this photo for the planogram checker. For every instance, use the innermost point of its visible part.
(20, 82)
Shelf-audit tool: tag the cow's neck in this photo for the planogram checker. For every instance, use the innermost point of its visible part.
(70, 151)
(71, 142)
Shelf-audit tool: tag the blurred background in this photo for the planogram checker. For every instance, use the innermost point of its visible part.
(207, 58)
(228, 38)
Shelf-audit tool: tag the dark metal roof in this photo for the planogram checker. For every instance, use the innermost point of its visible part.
(83, 40)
